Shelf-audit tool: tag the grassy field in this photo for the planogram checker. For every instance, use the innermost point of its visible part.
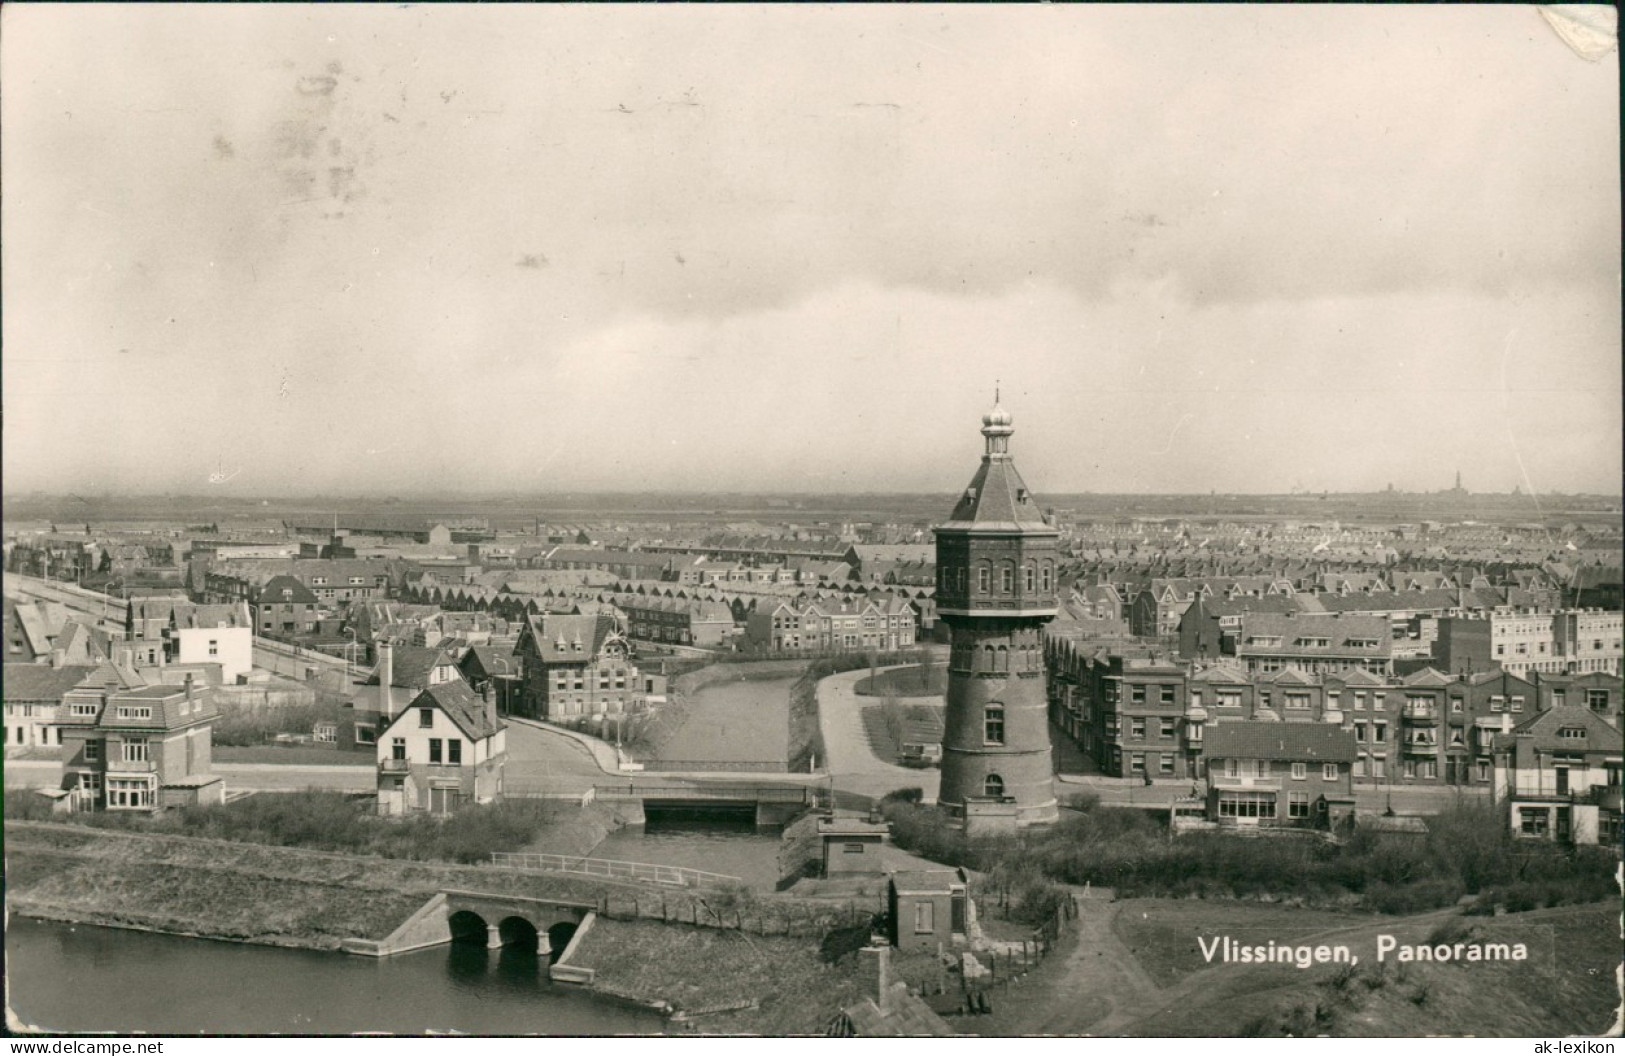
(796, 992)
(301, 756)
(1566, 986)
(916, 681)
(920, 724)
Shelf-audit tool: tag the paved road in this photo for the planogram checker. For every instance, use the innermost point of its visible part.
(851, 763)
(1126, 792)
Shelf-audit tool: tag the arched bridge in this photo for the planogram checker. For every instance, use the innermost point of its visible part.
(540, 924)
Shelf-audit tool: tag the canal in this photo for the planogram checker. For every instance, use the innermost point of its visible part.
(715, 841)
(74, 978)
(742, 720)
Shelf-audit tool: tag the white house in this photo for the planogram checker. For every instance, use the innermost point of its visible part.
(447, 748)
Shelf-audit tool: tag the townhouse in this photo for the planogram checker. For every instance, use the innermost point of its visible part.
(825, 625)
(577, 668)
(1558, 776)
(139, 749)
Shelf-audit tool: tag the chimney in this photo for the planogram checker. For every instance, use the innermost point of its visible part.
(386, 677)
(188, 685)
(874, 973)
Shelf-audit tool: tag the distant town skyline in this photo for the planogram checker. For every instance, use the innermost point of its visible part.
(789, 250)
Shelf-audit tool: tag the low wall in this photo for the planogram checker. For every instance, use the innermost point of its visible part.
(562, 971)
(429, 926)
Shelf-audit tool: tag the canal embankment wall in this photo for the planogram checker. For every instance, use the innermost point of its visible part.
(286, 896)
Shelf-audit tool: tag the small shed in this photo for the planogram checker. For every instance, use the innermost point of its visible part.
(852, 845)
(929, 907)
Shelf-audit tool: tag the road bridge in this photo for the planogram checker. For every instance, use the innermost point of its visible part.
(771, 804)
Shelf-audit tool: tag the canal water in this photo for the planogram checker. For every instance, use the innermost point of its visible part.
(717, 842)
(744, 720)
(77, 978)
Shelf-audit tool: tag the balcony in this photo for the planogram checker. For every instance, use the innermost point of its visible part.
(131, 766)
(1421, 715)
(1426, 750)
(394, 766)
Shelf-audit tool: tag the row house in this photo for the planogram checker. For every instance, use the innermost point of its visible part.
(1331, 645)
(576, 668)
(823, 625)
(331, 580)
(1149, 716)
(1572, 641)
(676, 621)
(139, 750)
(445, 749)
(1558, 775)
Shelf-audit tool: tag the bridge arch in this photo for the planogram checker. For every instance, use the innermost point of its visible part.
(518, 933)
(469, 926)
(559, 936)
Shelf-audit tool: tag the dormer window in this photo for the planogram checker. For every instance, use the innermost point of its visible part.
(1572, 733)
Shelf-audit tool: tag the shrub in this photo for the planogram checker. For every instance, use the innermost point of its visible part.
(912, 796)
(1083, 802)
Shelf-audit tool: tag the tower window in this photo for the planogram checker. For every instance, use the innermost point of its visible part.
(1044, 579)
(984, 579)
(993, 724)
(1027, 579)
(1008, 579)
(993, 785)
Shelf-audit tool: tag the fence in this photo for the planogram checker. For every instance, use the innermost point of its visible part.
(755, 766)
(737, 911)
(611, 870)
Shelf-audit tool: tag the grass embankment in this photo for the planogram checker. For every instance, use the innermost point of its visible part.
(893, 724)
(795, 990)
(277, 755)
(284, 895)
(920, 680)
(1566, 987)
(806, 739)
(1466, 851)
(333, 821)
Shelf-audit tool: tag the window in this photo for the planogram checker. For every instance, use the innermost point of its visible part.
(993, 724)
(425, 718)
(397, 749)
(1297, 701)
(1007, 580)
(135, 713)
(1136, 694)
(131, 794)
(1297, 804)
(93, 751)
(434, 750)
(984, 579)
(1136, 727)
(1166, 763)
(135, 750)
(1328, 771)
(1572, 733)
(1483, 769)
(1359, 700)
(1246, 804)
(84, 711)
(1167, 694)
(1517, 703)
(993, 785)
(1498, 703)
(454, 751)
(1533, 821)
(1597, 699)
(366, 734)
(1300, 771)
(1027, 579)
(1455, 705)
(1229, 698)
(1165, 728)
(924, 918)
(1359, 731)
(1379, 732)
(851, 848)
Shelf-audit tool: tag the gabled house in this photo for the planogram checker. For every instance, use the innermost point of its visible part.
(1558, 775)
(577, 668)
(286, 608)
(33, 699)
(445, 749)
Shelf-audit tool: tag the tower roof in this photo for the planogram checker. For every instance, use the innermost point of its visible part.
(997, 498)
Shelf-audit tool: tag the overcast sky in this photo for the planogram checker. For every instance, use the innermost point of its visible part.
(413, 249)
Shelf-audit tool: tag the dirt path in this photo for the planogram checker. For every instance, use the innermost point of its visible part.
(1101, 987)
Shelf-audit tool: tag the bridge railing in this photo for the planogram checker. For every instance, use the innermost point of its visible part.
(674, 875)
(750, 766)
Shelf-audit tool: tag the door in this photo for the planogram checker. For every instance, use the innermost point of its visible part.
(1562, 780)
(957, 913)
